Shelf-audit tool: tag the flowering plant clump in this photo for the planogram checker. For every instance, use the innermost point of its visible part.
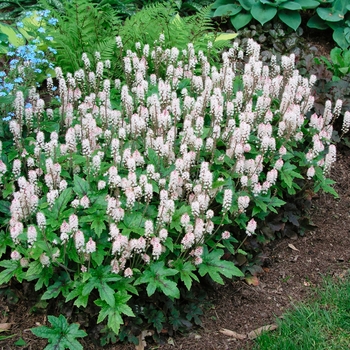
(144, 191)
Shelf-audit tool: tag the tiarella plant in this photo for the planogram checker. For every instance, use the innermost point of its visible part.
(140, 185)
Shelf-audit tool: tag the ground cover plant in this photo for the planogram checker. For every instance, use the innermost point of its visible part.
(137, 186)
(322, 323)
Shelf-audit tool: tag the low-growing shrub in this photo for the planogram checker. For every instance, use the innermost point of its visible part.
(138, 187)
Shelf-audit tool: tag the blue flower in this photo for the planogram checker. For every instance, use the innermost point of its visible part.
(52, 21)
(2, 74)
(54, 88)
(2, 93)
(8, 86)
(9, 116)
(29, 14)
(13, 62)
(19, 35)
(37, 70)
(19, 24)
(49, 38)
(18, 80)
(52, 50)
(28, 105)
(44, 13)
(38, 19)
(10, 53)
(41, 30)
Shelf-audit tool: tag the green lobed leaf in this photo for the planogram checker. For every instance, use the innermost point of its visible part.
(81, 186)
(61, 203)
(10, 270)
(186, 274)
(214, 266)
(263, 13)
(106, 293)
(115, 313)
(61, 335)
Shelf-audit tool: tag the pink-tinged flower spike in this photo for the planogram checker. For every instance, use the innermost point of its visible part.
(188, 240)
(346, 122)
(79, 240)
(128, 272)
(227, 202)
(15, 255)
(16, 169)
(243, 203)
(225, 235)
(310, 172)
(16, 228)
(251, 227)
(90, 246)
(31, 235)
(73, 222)
(157, 248)
(85, 202)
(44, 260)
(3, 169)
(41, 220)
(330, 158)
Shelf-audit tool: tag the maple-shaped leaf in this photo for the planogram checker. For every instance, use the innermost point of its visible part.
(61, 335)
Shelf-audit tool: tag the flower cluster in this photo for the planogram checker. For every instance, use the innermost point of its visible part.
(165, 168)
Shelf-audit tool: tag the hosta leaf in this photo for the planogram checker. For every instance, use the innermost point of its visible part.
(290, 5)
(340, 38)
(290, 18)
(226, 36)
(263, 13)
(241, 20)
(308, 4)
(317, 22)
(330, 16)
(219, 3)
(247, 4)
(227, 10)
(12, 35)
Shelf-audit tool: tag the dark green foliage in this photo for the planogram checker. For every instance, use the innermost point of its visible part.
(83, 27)
(146, 26)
